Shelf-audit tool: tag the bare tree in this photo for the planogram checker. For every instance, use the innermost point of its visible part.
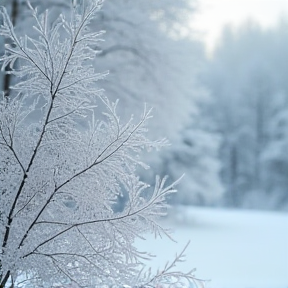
(63, 165)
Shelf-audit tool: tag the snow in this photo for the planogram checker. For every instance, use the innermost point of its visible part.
(234, 249)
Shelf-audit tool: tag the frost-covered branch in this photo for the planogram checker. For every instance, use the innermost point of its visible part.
(69, 159)
(174, 278)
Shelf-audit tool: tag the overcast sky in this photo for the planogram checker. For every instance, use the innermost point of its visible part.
(214, 14)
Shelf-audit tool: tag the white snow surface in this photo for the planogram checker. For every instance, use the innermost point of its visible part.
(234, 249)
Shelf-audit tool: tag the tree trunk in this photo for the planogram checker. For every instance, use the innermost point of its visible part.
(7, 77)
(5, 279)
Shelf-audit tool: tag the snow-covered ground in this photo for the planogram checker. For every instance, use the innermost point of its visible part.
(235, 249)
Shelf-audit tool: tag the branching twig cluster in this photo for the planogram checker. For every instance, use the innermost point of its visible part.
(65, 157)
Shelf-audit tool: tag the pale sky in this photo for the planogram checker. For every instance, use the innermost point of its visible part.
(214, 14)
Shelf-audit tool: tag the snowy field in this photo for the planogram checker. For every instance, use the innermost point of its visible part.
(234, 249)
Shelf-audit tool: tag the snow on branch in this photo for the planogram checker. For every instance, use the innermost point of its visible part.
(65, 157)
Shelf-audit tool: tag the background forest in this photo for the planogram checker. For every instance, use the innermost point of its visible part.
(225, 114)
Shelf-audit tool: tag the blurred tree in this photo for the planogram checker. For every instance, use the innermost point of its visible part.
(247, 78)
(153, 62)
(161, 64)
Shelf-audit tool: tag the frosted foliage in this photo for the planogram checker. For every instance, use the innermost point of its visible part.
(65, 157)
